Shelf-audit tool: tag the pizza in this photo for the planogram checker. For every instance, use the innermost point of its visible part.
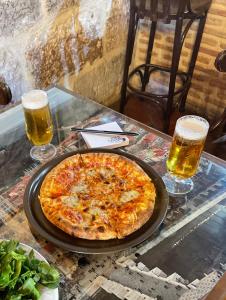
(97, 196)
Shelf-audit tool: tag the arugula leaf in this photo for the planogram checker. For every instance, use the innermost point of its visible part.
(12, 296)
(29, 289)
(28, 274)
(16, 274)
(50, 277)
(6, 273)
(8, 246)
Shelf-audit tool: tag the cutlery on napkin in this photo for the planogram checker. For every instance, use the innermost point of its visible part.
(108, 135)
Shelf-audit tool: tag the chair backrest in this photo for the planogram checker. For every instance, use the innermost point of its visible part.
(163, 9)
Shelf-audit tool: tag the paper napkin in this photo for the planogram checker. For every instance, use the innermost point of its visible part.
(104, 140)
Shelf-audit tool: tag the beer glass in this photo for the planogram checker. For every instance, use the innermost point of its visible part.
(38, 123)
(183, 160)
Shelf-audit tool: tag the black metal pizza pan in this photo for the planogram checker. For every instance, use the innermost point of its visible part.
(40, 225)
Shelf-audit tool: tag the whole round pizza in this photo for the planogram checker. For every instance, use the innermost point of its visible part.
(97, 196)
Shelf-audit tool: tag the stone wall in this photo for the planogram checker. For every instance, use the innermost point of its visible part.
(77, 43)
(207, 94)
(81, 44)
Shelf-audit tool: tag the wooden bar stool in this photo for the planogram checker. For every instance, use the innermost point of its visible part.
(184, 13)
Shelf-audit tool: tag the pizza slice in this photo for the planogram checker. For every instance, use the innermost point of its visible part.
(133, 211)
(78, 218)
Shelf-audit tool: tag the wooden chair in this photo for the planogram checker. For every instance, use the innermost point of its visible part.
(184, 13)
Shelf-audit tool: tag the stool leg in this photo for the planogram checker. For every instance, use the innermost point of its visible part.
(174, 69)
(129, 52)
(191, 68)
(149, 53)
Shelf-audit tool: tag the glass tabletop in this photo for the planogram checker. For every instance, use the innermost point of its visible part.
(185, 217)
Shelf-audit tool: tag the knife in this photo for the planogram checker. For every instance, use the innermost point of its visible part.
(96, 131)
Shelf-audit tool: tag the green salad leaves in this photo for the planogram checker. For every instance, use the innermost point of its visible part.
(21, 275)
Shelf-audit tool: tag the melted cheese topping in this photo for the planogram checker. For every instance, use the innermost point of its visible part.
(79, 188)
(91, 172)
(100, 213)
(105, 172)
(70, 201)
(129, 196)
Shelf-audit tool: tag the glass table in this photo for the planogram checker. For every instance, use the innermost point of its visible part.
(183, 259)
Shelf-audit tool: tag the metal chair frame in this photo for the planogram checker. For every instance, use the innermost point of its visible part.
(139, 10)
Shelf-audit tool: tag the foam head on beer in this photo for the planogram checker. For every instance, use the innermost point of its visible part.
(34, 99)
(192, 128)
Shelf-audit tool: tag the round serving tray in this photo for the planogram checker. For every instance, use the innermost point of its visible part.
(40, 225)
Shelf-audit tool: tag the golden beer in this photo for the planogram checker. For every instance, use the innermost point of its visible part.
(39, 126)
(38, 120)
(38, 123)
(187, 145)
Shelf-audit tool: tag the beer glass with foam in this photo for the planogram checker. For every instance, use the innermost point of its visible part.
(38, 123)
(183, 160)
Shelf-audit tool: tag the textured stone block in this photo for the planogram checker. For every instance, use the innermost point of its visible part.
(210, 52)
(220, 11)
(17, 15)
(60, 48)
(11, 73)
(93, 16)
(53, 6)
(116, 29)
(102, 82)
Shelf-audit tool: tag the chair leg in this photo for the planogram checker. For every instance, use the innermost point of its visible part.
(148, 56)
(191, 68)
(129, 52)
(173, 75)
